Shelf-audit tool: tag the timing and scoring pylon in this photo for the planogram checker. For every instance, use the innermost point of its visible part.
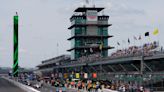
(15, 53)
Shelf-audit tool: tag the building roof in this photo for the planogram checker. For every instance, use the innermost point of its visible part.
(84, 25)
(84, 16)
(129, 59)
(88, 47)
(54, 60)
(84, 9)
(122, 60)
(90, 36)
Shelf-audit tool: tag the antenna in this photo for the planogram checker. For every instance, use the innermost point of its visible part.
(16, 13)
(87, 1)
(93, 2)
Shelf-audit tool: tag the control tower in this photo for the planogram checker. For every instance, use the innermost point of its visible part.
(89, 32)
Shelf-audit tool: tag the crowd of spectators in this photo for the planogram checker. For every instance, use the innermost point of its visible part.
(88, 85)
(89, 58)
(147, 49)
(136, 50)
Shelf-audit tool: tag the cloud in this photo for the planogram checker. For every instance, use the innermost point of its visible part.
(123, 9)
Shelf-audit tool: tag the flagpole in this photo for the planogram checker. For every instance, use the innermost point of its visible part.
(128, 42)
(149, 40)
(141, 42)
(117, 47)
(57, 52)
(123, 44)
(158, 39)
(156, 32)
(140, 39)
(134, 40)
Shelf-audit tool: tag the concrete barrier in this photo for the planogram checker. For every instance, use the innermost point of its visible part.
(103, 90)
(108, 90)
(22, 86)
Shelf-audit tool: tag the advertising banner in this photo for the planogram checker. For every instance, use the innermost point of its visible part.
(91, 15)
(94, 75)
(77, 75)
(85, 75)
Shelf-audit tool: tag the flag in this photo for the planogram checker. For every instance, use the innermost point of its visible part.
(77, 75)
(91, 50)
(135, 38)
(85, 75)
(128, 40)
(118, 43)
(155, 32)
(65, 75)
(101, 46)
(139, 37)
(147, 34)
(94, 75)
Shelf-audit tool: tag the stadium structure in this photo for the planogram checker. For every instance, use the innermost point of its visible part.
(46, 68)
(89, 31)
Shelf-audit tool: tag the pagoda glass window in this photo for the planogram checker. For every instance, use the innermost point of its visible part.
(100, 31)
(77, 54)
(78, 42)
(105, 42)
(80, 21)
(72, 43)
(73, 32)
(78, 31)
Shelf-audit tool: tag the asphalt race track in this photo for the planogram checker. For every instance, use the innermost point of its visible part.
(6, 86)
(47, 88)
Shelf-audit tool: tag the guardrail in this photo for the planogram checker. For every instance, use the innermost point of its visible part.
(22, 86)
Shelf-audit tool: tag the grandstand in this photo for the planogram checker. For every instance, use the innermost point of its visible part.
(46, 68)
(143, 65)
(122, 69)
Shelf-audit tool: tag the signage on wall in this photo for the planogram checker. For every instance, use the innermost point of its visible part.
(91, 15)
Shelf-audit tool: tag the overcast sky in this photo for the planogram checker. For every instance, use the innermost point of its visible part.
(44, 23)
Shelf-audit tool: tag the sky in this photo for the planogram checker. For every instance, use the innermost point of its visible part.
(44, 23)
